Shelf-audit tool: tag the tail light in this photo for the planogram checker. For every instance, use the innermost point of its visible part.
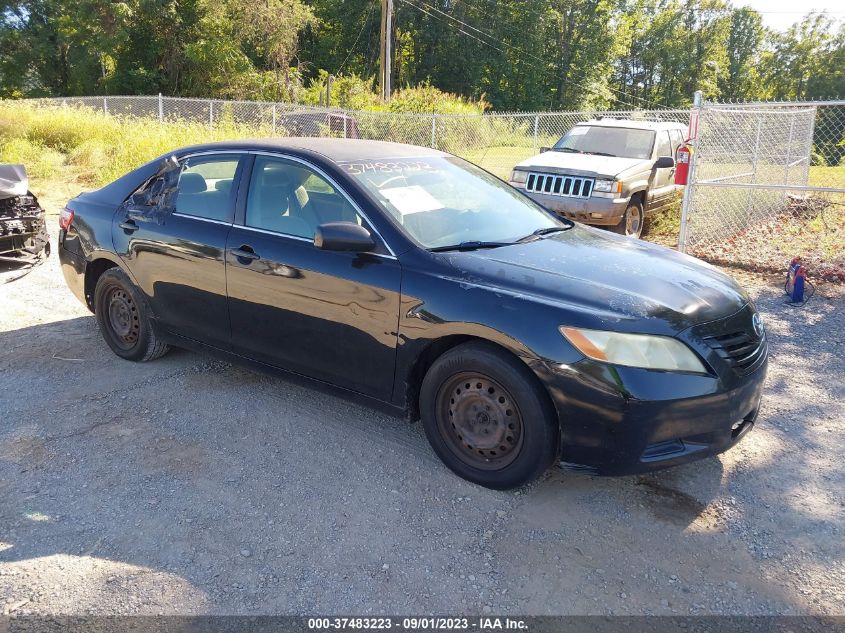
(65, 219)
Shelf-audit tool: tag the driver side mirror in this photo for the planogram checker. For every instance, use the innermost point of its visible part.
(664, 162)
(343, 236)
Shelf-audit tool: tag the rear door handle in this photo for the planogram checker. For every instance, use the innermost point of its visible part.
(245, 254)
(129, 226)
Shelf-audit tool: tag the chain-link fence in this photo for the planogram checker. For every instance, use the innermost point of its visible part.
(767, 183)
(494, 141)
(767, 180)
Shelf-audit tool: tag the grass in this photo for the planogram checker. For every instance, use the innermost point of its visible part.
(95, 148)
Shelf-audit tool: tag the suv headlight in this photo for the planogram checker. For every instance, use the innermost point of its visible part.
(634, 350)
(519, 176)
(607, 186)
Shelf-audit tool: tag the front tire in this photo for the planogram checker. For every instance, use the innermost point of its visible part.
(632, 222)
(124, 320)
(487, 418)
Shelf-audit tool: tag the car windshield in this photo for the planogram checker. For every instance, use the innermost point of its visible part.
(607, 141)
(445, 201)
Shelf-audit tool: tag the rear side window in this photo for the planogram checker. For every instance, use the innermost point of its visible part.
(664, 145)
(677, 139)
(205, 187)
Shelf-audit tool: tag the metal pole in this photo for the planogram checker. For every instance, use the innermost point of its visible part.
(536, 128)
(329, 91)
(160, 108)
(274, 119)
(789, 150)
(105, 105)
(685, 207)
(210, 114)
(754, 166)
(385, 49)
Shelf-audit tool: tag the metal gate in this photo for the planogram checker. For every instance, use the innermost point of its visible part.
(751, 198)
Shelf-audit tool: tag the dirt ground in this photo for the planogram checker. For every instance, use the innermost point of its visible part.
(192, 486)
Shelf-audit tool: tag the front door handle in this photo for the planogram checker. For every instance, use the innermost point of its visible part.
(129, 226)
(245, 254)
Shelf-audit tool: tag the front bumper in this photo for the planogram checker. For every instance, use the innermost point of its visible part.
(599, 210)
(621, 420)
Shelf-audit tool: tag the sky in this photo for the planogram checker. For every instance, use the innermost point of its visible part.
(781, 14)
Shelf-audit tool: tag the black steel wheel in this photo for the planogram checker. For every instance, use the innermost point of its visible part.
(488, 417)
(123, 317)
(480, 420)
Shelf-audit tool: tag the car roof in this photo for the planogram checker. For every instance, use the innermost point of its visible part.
(337, 150)
(634, 123)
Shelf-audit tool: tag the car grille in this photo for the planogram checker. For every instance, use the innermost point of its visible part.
(564, 186)
(742, 350)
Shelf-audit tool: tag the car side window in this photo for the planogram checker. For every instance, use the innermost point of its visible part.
(664, 144)
(205, 187)
(289, 198)
(677, 139)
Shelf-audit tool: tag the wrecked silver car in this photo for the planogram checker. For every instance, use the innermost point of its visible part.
(23, 229)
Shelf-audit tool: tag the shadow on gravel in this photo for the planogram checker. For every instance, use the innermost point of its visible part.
(268, 496)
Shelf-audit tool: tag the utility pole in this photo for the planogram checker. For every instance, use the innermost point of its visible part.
(386, 33)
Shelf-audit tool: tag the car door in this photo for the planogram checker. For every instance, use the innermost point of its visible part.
(172, 236)
(328, 315)
(663, 184)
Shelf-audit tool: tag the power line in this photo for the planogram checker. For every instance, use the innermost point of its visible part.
(361, 32)
(520, 50)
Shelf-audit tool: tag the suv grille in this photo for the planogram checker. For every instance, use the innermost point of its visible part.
(564, 186)
(742, 350)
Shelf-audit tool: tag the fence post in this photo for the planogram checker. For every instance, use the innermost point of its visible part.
(685, 206)
(433, 130)
(210, 114)
(274, 119)
(536, 129)
(105, 105)
(345, 119)
(789, 150)
(754, 164)
(160, 108)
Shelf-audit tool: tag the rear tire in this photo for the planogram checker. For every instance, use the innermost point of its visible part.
(499, 432)
(632, 222)
(123, 317)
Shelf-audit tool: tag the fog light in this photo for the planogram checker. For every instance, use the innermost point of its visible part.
(595, 215)
(736, 425)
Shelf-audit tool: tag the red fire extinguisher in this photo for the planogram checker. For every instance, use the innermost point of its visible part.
(682, 164)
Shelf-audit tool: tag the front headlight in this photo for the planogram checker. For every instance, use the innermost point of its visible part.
(634, 350)
(607, 186)
(519, 176)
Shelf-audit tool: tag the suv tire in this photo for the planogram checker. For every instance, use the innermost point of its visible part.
(632, 221)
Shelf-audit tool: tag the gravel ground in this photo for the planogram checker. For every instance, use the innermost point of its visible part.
(192, 486)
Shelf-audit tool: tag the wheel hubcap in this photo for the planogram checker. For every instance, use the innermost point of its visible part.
(480, 421)
(633, 221)
(123, 318)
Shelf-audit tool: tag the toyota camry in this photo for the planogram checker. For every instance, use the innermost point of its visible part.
(411, 277)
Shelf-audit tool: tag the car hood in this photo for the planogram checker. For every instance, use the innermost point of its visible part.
(581, 163)
(629, 284)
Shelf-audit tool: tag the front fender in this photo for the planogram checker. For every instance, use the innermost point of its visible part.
(435, 308)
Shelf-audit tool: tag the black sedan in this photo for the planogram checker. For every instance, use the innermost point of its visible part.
(409, 276)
